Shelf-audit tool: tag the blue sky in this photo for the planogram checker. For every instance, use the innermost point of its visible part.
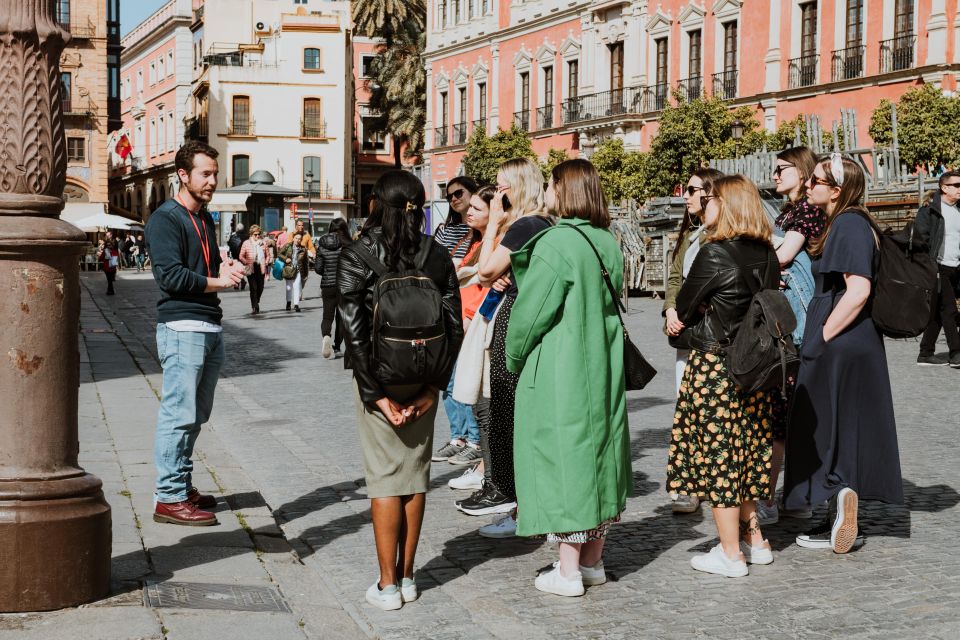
(133, 12)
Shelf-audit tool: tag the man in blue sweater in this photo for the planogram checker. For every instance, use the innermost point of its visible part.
(182, 243)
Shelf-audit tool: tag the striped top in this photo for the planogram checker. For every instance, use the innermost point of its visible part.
(451, 234)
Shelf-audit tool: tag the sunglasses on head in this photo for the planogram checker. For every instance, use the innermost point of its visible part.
(455, 194)
(692, 189)
(780, 168)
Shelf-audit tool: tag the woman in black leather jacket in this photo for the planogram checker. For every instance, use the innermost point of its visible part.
(395, 421)
(721, 446)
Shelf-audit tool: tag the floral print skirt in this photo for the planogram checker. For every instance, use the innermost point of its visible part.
(721, 445)
(599, 532)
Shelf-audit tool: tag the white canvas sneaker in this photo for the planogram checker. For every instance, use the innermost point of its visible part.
(471, 479)
(502, 527)
(553, 582)
(327, 347)
(716, 561)
(844, 532)
(591, 576)
(756, 554)
(408, 590)
(388, 598)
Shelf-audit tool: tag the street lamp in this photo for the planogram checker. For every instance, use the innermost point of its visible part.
(309, 176)
(736, 132)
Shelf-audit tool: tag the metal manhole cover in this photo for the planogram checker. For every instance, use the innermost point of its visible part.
(199, 595)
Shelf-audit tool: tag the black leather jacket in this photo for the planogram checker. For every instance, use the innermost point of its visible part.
(716, 296)
(355, 282)
(328, 252)
(929, 228)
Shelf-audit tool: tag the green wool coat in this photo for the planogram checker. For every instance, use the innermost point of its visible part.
(571, 441)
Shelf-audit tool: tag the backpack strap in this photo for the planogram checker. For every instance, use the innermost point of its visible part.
(423, 253)
(370, 259)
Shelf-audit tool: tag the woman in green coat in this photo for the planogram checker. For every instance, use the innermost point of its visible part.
(571, 441)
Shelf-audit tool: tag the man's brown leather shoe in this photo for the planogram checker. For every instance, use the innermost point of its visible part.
(202, 500)
(183, 513)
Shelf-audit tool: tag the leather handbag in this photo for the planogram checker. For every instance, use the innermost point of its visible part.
(637, 371)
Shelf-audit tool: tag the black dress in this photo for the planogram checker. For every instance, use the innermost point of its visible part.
(842, 429)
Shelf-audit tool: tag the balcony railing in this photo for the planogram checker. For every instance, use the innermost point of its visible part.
(803, 71)
(313, 128)
(197, 128)
(83, 30)
(480, 124)
(896, 54)
(460, 133)
(440, 136)
(228, 59)
(725, 84)
(691, 88)
(847, 64)
(522, 119)
(241, 128)
(659, 95)
(81, 107)
(629, 100)
(545, 117)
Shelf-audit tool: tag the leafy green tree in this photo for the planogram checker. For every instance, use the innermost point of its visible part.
(928, 127)
(554, 157)
(385, 18)
(485, 154)
(621, 172)
(881, 124)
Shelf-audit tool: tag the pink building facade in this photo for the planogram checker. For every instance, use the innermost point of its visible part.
(573, 73)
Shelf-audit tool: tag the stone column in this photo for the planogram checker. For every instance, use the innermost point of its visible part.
(494, 106)
(771, 61)
(54, 522)
(937, 28)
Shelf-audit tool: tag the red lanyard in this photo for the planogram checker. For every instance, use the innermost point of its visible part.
(204, 240)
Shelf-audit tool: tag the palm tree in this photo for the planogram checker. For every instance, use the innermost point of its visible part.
(399, 89)
(385, 18)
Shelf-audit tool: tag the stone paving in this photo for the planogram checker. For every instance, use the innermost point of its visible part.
(282, 454)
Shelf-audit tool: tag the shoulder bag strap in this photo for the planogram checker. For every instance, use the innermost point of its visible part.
(606, 278)
(468, 235)
(370, 259)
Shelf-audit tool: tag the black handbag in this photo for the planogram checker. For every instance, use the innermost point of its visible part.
(637, 372)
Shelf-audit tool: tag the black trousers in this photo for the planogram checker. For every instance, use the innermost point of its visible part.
(944, 313)
(481, 411)
(503, 393)
(331, 316)
(111, 276)
(256, 286)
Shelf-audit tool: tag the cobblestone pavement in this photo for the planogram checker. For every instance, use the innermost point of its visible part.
(283, 446)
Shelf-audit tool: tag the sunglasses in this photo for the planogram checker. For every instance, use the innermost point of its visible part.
(455, 194)
(692, 189)
(814, 181)
(951, 184)
(704, 200)
(780, 168)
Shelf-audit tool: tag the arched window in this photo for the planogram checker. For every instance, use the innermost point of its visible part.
(311, 58)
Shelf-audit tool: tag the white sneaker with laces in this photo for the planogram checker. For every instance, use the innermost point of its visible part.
(554, 582)
(767, 513)
(408, 590)
(502, 527)
(591, 576)
(471, 479)
(388, 598)
(327, 347)
(716, 561)
(756, 554)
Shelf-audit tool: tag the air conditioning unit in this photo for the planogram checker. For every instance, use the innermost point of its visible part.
(260, 28)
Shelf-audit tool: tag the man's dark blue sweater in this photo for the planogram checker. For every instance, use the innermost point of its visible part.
(178, 264)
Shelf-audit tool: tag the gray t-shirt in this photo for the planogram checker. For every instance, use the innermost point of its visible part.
(950, 251)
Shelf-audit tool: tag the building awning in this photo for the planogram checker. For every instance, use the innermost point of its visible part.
(76, 211)
(105, 221)
(228, 201)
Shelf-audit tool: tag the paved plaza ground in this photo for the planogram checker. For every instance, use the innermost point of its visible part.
(294, 552)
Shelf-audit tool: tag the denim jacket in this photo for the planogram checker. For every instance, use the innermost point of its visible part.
(799, 290)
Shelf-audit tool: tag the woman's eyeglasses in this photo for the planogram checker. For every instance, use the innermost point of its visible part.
(780, 168)
(814, 181)
(692, 189)
(455, 194)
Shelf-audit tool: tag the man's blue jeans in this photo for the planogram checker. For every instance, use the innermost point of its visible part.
(463, 426)
(191, 364)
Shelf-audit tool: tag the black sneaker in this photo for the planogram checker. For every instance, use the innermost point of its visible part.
(931, 361)
(484, 488)
(821, 537)
(489, 502)
(955, 360)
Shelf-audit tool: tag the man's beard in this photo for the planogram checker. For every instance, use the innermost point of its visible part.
(203, 194)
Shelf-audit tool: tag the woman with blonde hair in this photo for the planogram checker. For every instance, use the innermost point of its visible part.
(516, 215)
(720, 447)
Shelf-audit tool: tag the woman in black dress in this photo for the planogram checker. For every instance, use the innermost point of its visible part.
(842, 440)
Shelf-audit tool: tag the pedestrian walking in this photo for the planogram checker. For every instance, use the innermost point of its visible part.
(181, 239)
(517, 214)
(109, 256)
(842, 438)
(454, 234)
(141, 252)
(396, 421)
(799, 223)
(234, 244)
(306, 243)
(565, 322)
(720, 446)
(938, 227)
(329, 247)
(257, 260)
(294, 257)
(688, 245)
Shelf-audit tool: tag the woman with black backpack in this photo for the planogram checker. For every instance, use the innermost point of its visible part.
(842, 439)
(328, 254)
(721, 444)
(393, 263)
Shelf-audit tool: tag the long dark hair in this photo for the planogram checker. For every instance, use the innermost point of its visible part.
(851, 199)
(707, 175)
(340, 228)
(468, 184)
(485, 193)
(398, 211)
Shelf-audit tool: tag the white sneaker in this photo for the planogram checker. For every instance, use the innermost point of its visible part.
(327, 347)
(408, 590)
(843, 535)
(756, 554)
(767, 513)
(591, 576)
(502, 527)
(716, 561)
(471, 479)
(553, 582)
(388, 598)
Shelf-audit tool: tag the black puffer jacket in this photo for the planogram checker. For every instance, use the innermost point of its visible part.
(355, 282)
(717, 283)
(328, 252)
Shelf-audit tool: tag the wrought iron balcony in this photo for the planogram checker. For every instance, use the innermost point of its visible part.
(460, 133)
(847, 64)
(313, 128)
(896, 54)
(83, 30)
(593, 106)
(691, 88)
(440, 136)
(228, 59)
(522, 119)
(803, 71)
(659, 95)
(81, 107)
(241, 128)
(545, 117)
(725, 84)
(197, 128)
(480, 124)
